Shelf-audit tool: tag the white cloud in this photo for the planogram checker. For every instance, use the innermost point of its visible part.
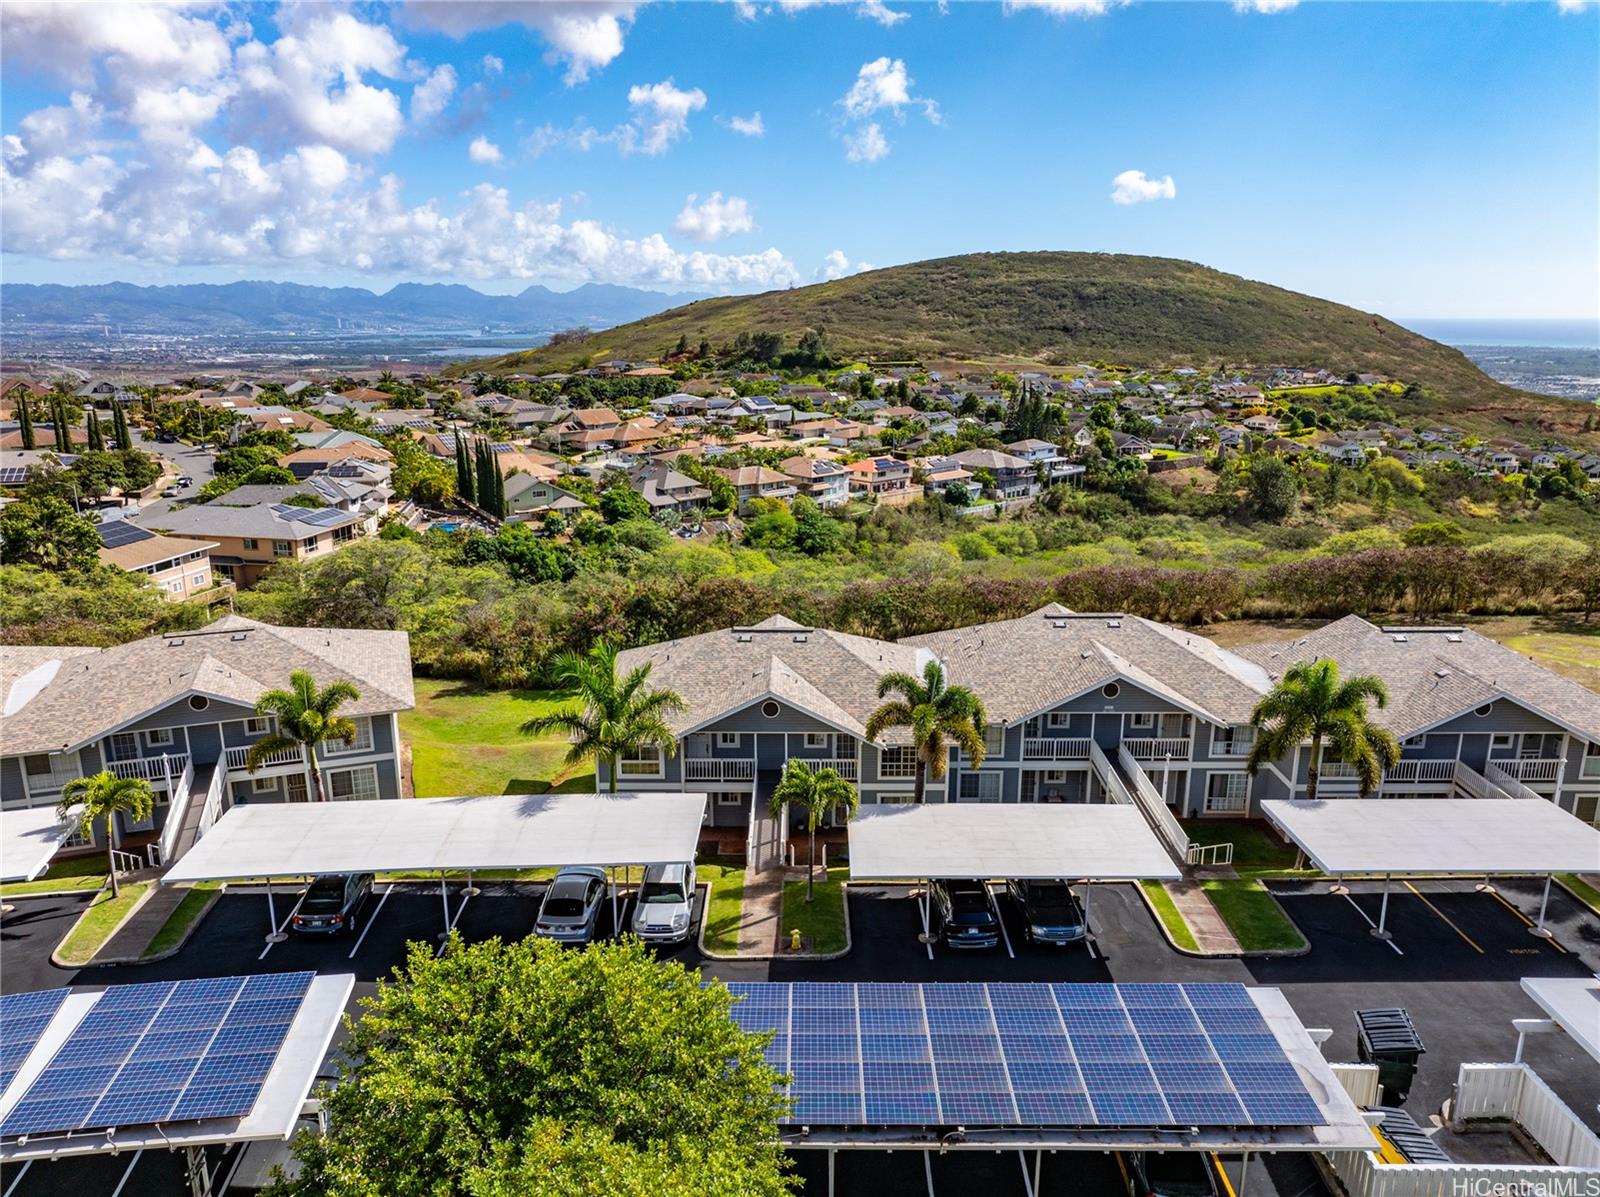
(1063, 8)
(867, 144)
(748, 126)
(429, 98)
(484, 152)
(1572, 6)
(837, 265)
(1264, 6)
(660, 116)
(147, 40)
(714, 218)
(872, 10)
(493, 64)
(1135, 187)
(584, 34)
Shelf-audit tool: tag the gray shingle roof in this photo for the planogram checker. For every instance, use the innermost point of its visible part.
(95, 690)
(1435, 673)
(832, 675)
(1020, 667)
(265, 521)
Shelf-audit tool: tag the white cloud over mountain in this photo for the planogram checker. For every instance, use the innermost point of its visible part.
(713, 218)
(1136, 187)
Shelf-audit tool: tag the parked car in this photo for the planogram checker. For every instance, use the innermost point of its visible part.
(332, 904)
(966, 913)
(186, 480)
(571, 906)
(666, 904)
(1172, 1174)
(1050, 911)
(167, 438)
(172, 492)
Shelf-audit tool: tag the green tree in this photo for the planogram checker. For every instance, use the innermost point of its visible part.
(936, 713)
(307, 714)
(619, 502)
(1274, 489)
(105, 796)
(818, 793)
(466, 480)
(97, 438)
(1312, 703)
(523, 1069)
(618, 716)
(25, 421)
(119, 427)
(816, 534)
(45, 531)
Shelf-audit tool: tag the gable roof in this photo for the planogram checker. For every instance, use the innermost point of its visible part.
(56, 699)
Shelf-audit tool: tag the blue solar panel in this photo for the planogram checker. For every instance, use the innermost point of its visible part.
(163, 1052)
(23, 1018)
(1031, 1055)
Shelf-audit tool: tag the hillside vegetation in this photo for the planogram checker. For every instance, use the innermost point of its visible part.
(1056, 309)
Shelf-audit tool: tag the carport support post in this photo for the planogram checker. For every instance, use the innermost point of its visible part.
(830, 1172)
(1544, 905)
(1244, 1172)
(616, 928)
(444, 901)
(1381, 930)
(273, 934)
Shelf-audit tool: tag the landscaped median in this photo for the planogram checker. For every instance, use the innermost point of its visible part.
(1254, 916)
(183, 920)
(821, 922)
(719, 933)
(1167, 911)
(98, 923)
(75, 874)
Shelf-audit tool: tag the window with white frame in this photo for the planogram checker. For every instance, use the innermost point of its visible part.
(899, 761)
(1414, 741)
(642, 762)
(980, 786)
(822, 740)
(362, 742)
(1227, 793)
(353, 784)
(258, 725)
(1232, 741)
(159, 737)
(731, 798)
(264, 785)
(1058, 719)
(197, 579)
(124, 746)
(1591, 760)
(1502, 742)
(727, 739)
(1142, 721)
(994, 739)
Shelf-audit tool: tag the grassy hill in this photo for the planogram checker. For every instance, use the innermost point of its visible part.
(1054, 309)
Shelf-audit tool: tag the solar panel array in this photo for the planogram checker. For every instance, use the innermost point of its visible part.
(170, 1051)
(320, 517)
(23, 1018)
(1025, 1055)
(13, 475)
(115, 533)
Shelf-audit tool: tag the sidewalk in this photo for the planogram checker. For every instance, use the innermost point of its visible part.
(133, 938)
(1211, 935)
(761, 926)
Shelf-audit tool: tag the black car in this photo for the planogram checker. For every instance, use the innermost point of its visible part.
(332, 904)
(966, 914)
(1172, 1174)
(1050, 912)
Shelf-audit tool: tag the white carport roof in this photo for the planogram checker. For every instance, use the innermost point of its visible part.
(29, 838)
(1573, 1003)
(1018, 840)
(1437, 835)
(452, 835)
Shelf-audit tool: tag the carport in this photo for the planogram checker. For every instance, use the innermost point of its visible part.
(1020, 841)
(1573, 1007)
(443, 835)
(1471, 837)
(29, 837)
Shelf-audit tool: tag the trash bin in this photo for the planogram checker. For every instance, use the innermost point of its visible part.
(1388, 1038)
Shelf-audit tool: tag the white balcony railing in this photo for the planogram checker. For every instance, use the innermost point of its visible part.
(718, 769)
(273, 760)
(1157, 749)
(1538, 769)
(1055, 750)
(63, 768)
(1420, 771)
(152, 768)
(844, 766)
(1504, 784)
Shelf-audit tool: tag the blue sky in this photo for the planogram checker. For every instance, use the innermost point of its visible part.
(1424, 159)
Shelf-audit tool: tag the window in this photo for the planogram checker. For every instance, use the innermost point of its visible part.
(1414, 741)
(161, 737)
(1501, 742)
(344, 535)
(730, 799)
(727, 739)
(198, 579)
(1227, 793)
(1142, 721)
(353, 784)
(124, 746)
(1483, 710)
(263, 785)
(1591, 760)
(362, 742)
(994, 739)
(818, 739)
(283, 548)
(37, 765)
(1058, 719)
(897, 762)
(1232, 741)
(646, 762)
(249, 542)
(258, 725)
(175, 586)
(982, 786)
(309, 544)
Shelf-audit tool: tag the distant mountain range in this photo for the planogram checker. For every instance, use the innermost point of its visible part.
(201, 309)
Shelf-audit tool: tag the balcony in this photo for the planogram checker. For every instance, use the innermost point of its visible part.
(741, 770)
(152, 768)
(1158, 749)
(1060, 749)
(1538, 769)
(63, 768)
(1416, 772)
(844, 766)
(276, 760)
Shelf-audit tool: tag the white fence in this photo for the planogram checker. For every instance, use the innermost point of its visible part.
(718, 769)
(1108, 776)
(1155, 810)
(237, 758)
(1510, 1092)
(1420, 771)
(212, 810)
(177, 811)
(1145, 749)
(1058, 749)
(153, 768)
(1508, 783)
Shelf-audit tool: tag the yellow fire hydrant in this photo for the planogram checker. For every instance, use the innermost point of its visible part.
(794, 940)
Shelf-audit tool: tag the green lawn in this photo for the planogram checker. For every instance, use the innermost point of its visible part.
(181, 919)
(468, 741)
(97, 923)
(725, 906)
(1171, 919)
(1256, 851)
(77, 872)
(1582, 890)
(822, 920)
(1253, 915)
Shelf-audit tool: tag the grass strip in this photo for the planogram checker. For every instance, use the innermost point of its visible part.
(1582, 890)
(1171, 917)
(76, 872)
(96, 924)
(822, 919)
(180, 920)
(1254, 916)
(724, 907)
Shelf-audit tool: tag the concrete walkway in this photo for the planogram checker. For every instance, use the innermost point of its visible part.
(761, 915)
(1211, 934)
(134, 937)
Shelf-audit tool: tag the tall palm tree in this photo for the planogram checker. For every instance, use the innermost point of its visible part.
(618, 716)
(818, 792)
(105, 796)
(1313, 703)
(307, 714)
(937, 713)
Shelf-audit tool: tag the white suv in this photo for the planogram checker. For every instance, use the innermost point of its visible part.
(666, 904)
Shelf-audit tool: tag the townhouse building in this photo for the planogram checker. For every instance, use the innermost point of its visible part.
(824, 481)
(879, 477)
(758, 482)
(179, 711)
(179, 568)
(251, 540)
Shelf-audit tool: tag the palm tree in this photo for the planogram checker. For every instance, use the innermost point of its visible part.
(307, 714)
(818, 792)
(936, 713)
(618, 717)
(105, 796)
(1310, 703)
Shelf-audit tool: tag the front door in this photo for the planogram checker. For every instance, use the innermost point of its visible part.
(298, 791)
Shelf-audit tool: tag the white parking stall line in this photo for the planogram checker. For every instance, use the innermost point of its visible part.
(451, 926)
(287, 919)
(1371, 924)
(999, 918)
(371, 918)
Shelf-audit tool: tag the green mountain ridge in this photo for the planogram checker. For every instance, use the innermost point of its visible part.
(1058, 308)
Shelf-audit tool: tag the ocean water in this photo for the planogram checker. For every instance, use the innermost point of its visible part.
(1556, 334)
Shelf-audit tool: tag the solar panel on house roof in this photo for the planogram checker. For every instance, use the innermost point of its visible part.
(1025, 1055)
(13, 475)
(319, 517)
(115, 533)
(23, 1018)
(168, 1051)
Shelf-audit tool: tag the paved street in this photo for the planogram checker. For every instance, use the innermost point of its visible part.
(197, 463)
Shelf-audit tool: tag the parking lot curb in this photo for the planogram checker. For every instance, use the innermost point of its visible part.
(216, 896)
(55, 957)
(700, 939)
(1196, 954)
(1574, 895)
(49, 893)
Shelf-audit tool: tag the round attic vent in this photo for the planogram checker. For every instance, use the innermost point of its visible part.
(1482, 711)
(770, 709)
(1111, 689)
(198, 702)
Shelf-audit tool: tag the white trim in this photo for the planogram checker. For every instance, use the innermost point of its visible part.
(858, 732)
